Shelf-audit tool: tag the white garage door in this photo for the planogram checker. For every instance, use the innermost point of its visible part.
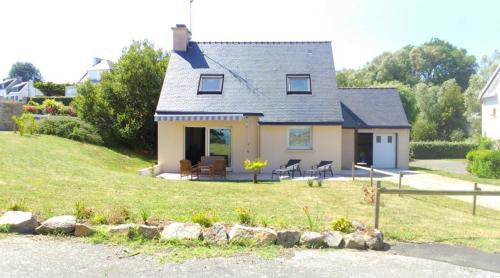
(384, 150)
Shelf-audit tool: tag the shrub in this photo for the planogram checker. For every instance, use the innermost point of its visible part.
(369, 193)
(17, 205)
(319, 183)
(245, 216)
(119, 215)
(24, 123)
(50, 89)
(255, 167)
(33, 109)
(342, 225)
(82, 212)
(71, 128)
(484, 163)
(310, 183)
(202, 219)
(99, 219)
(64, 100)
(440, 149)
(53, 107)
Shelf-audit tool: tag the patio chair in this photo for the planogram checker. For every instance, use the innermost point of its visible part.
(187, 170)
(323, 167)
(289, 168)
(219, 168)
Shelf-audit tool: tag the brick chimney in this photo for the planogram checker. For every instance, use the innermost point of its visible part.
(182, 36)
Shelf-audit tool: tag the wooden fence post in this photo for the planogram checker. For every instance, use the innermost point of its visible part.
(474, 197)
(371, 175)
(377, 204)
(353, 171)
(400, 180)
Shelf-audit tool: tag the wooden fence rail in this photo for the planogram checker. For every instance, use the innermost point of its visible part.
(476, 192)
(373, 170)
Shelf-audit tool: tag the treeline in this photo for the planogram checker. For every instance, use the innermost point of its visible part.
(439, 85)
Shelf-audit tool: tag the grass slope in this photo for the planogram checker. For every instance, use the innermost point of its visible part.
(50, 174)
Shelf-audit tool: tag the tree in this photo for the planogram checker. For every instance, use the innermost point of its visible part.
(472, 102)
(489, 64)
(123, 104)
(26, 71)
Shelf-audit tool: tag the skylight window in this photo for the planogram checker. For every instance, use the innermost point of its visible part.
(211, 84)
(298, 84)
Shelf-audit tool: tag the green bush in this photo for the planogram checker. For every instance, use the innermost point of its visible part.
(484, 163)
(342, 225)
(64, 100)
(71, 128)
(245, 216)
(440, 149)
(202, 219)
(50, 89)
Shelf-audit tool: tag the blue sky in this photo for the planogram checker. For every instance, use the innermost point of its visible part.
(61, 37)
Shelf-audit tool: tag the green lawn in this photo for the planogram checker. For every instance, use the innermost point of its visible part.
(50, 174)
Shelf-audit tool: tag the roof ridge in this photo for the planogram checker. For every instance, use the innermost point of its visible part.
(259, 42)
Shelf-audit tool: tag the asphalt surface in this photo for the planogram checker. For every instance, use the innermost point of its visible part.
(35, 256)
(452, 166)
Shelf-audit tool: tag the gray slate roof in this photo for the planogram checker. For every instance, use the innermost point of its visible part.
(372, 108)
(254, 81)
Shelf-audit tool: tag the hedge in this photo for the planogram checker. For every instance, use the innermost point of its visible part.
(71, 128)
(65, 100)
(484, 163)
(440, 149)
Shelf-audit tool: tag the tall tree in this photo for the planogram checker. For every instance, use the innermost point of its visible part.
(26, 71)
(123, 104)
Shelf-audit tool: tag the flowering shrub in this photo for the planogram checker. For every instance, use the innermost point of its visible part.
(69, 111)
(255, 167)
(32, 109)
(52, 107)
(343, 225)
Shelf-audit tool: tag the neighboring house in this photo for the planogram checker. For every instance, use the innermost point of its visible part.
(490, 107)
(14, 89)
(275, 101)
(93, 74)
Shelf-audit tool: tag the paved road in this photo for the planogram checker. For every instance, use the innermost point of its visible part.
(453, 166)
(35, 256)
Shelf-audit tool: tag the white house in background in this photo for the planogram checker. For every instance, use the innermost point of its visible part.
(93, 74)
(490, 107)
(14, 89)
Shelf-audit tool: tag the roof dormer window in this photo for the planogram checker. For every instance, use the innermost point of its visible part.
(298, 84)
(211, 84)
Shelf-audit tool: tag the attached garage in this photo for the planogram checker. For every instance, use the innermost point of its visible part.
(375, 129)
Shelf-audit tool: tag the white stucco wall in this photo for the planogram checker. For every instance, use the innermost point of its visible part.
(490, 120)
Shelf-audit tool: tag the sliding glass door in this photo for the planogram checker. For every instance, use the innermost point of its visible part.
(219, 143)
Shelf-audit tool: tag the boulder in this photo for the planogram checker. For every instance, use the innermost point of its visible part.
(19, 221)
(178, 230)
(150, 232)
(83, 230)
(358, 225)
(121, 228)
(374, 239)
(288, 238)
(334, 239)
(313, 240)
(355, 240)
(215, 234)
(64, 224)
(259, 235)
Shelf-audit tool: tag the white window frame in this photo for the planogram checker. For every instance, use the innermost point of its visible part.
(300, 147)
(211, 76)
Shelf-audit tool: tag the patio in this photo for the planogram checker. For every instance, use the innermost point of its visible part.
(341, 176)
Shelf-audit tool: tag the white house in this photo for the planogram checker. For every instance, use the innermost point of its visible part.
(490, 107)
(14, 89)
(93, 74)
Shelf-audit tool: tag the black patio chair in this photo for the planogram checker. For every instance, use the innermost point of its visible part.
(323, 167)
(289, 168)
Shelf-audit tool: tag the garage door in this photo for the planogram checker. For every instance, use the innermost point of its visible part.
(384, 150)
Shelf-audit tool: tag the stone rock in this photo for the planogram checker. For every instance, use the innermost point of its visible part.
(313, 240)
(358, 225)
(334, 239)
(64, 224)
(178, 230)
(19, 221)
(121, 228)
(83, 230)
(288, 238)
(150, 232)
(355, 240)
(215, 234)
(374, 239)
(260, 235)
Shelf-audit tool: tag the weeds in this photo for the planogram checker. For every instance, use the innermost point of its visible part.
(17, 205)
(310, 183)
(99, 219)
(245, 216)
(119, 215)
(342, 225)
(144, 216)
(82, 212)
(310, 222)
(203, 219)
(4, 228)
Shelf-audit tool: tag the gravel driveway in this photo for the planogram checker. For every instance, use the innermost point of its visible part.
(35, 256)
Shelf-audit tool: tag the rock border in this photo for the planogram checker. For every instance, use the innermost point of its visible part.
(361, 239)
